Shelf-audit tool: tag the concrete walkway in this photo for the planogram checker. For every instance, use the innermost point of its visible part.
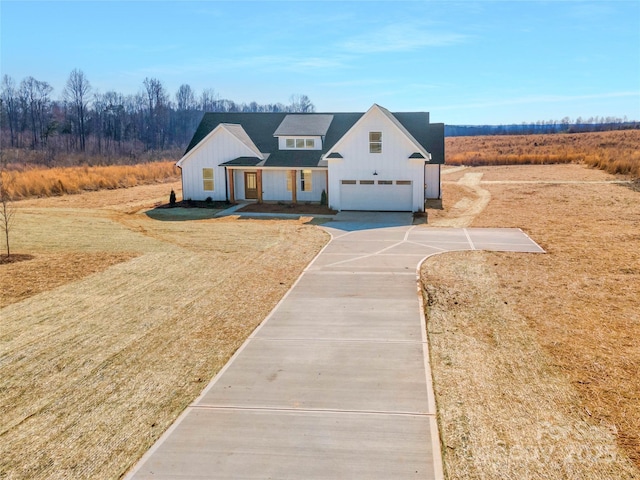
(335, 383)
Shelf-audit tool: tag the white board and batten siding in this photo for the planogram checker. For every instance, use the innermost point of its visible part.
(432, 187)
(210, 154)
(391, 165)
(274, 185)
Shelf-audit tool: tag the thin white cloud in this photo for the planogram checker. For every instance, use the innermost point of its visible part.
(359, 83)
(401, 37)
(217, 66)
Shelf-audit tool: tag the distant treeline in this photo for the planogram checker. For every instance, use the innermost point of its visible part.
(593, 124)
(84, 125)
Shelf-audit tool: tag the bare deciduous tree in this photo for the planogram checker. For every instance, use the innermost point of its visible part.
(185, 98)
(76, 93)
(209, 100)
(301, 104)
(11, 107)
(7, 211)
(34, 95)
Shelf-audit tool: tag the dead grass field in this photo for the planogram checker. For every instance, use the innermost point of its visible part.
(119, 321)
(46, 182)
(615, 152)
(535, 357)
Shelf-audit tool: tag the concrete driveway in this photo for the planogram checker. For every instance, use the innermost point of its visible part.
(335, 383)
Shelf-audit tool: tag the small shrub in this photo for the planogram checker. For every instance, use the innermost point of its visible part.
(172, 198)
(323, 197)
(208, 200)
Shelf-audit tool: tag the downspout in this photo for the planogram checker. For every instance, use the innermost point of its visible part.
(181, 180)
(424, 186)
(226, 184)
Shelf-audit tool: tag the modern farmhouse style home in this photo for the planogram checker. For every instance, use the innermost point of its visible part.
(376, 160)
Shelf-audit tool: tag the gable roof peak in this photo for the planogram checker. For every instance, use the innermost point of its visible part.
(237, 131)
(391, 118)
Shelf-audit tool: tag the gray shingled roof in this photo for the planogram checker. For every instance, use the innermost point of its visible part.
(261, 127)
(304, 124)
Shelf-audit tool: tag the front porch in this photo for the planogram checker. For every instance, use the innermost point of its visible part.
(294, 186)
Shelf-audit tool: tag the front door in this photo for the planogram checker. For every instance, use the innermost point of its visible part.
(250, 185)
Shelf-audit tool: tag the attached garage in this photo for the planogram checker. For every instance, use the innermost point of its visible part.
(380, 195)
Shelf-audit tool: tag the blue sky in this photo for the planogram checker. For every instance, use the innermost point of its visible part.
(467, 62)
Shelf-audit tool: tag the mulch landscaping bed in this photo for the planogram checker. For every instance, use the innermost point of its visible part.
(311, 209)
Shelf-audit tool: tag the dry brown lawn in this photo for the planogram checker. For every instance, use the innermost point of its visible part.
(535, 357)
(120, 320)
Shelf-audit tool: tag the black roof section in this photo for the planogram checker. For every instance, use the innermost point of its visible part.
(243, 162)
(261, 128)
(435, 142)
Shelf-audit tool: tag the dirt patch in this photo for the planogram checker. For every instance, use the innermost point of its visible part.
(47, 271)
(301, 208)
(578, 302)
(469, 199)
(14, 258)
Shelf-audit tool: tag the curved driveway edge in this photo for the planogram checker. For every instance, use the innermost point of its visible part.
(335, 383)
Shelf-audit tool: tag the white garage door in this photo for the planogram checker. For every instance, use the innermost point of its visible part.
(381, 195)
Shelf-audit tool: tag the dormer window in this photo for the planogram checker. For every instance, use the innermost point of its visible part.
(300, 144)
(375, 142)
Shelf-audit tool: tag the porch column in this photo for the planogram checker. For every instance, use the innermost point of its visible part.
(232, 194)
(294, 187)
(326, 180)
(259, 181)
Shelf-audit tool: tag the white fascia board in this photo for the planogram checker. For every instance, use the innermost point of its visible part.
(198, 145)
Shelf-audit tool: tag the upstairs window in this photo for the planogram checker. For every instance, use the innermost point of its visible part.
(207, 179)
(375, 142)
(299, 143)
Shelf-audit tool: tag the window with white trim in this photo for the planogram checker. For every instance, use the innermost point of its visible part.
(207, 179)
(305, 180)
(375, 142)
(299, 143)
